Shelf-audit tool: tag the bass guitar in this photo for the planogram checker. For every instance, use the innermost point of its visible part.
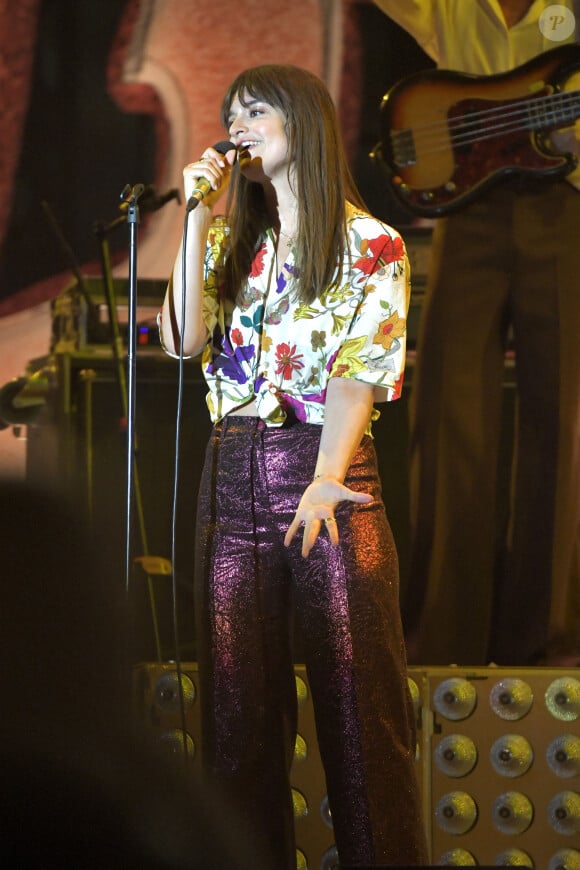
(447, 136)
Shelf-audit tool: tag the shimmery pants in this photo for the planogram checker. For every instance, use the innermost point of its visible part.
(249, 588)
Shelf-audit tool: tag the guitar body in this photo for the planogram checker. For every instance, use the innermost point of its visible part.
(447, 136)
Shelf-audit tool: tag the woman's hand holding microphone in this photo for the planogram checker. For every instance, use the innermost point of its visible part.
(207, 178)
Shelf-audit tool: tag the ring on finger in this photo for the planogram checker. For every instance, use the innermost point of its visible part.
(329, 520)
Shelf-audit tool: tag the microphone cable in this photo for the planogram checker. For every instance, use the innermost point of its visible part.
(174, 510)
(203, 186)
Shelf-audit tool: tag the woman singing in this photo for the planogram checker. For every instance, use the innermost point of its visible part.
(297, 301)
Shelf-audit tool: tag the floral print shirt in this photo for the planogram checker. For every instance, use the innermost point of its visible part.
(281, 352)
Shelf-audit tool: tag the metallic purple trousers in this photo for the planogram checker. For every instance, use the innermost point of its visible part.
(252, 594)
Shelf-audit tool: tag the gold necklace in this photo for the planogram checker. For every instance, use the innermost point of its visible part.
(289, 237)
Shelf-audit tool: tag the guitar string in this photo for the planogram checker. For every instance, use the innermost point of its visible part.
(440, 141)
(441, 129)
(424, 135)
(568, 96)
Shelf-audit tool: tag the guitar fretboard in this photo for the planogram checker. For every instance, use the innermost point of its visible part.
(477, 124)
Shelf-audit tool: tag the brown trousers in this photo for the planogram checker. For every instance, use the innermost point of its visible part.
(482, 586)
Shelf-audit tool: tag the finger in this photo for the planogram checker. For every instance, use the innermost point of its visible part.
(311, 531)
(207, 166)
(216, 152)
(332, 529)
(291, 532)
(203, 169)
(227, 159)
(204, 164)
(231, 156)
(359, 497)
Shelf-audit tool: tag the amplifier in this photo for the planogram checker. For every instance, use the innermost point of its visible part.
(498, 761)
(82, 313)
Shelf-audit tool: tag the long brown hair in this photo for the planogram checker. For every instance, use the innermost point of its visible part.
(322, 177)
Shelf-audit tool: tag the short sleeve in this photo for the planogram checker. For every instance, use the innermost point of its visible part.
(375, 347)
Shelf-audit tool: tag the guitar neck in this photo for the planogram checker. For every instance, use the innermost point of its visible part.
(449, 135)
(553, 110)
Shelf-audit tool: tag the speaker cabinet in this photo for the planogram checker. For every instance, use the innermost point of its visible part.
(157, 703)
(498, 761)
(502, 766)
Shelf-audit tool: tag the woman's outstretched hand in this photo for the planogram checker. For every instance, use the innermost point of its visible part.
(317, 507)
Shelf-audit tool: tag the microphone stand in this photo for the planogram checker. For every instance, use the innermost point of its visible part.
(133, 218)
(130, 196)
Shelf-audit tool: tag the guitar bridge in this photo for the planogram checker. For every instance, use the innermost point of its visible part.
(403, 147)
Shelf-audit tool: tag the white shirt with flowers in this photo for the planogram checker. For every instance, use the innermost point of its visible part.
(282, 352)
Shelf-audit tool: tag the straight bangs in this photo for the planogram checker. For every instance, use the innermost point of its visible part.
(259, 83)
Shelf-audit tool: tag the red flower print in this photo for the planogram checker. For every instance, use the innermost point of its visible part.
(287, 360)
(258, 262)
(393, 250)
(382, 250)
(237, 337)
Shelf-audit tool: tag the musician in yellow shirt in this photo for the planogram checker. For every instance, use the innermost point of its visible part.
(505, 267)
